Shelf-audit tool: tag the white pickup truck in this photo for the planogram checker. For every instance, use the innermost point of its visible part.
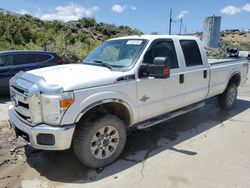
(128, 81)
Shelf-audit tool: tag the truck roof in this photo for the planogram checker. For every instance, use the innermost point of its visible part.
(152, 37)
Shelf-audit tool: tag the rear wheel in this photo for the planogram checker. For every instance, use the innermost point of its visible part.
(98, 142)
(227, 99)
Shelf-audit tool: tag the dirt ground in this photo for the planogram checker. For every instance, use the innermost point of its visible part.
(204, 148)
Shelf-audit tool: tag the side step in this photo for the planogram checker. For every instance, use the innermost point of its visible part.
(165, 117)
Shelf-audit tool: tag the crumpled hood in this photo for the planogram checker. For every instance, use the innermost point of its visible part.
(76, 76)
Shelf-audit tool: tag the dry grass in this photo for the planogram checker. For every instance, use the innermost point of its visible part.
(236, 37)
(240, 40)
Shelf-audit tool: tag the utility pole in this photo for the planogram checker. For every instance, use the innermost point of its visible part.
(180, 26)
(170, 22)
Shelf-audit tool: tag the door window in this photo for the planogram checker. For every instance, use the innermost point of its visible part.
(162, 48)
(1, 61)
(6, 60)
(191, 53)
(24, 59)
(42, 57)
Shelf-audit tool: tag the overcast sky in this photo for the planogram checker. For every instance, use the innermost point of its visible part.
(148, 16)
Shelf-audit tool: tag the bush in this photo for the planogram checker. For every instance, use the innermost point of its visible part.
(72, 40)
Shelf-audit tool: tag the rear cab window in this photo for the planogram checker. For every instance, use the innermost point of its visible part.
(191, 52)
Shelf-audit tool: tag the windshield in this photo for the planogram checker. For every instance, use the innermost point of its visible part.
(116, 53)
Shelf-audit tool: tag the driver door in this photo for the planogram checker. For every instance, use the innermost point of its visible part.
(159, 96)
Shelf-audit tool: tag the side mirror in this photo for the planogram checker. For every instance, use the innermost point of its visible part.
(159, 69)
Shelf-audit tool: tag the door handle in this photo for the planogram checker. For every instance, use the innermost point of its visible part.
(181, 78)
(205, 74)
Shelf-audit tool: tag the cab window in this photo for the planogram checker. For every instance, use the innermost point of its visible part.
(162, 48)
(191, 52)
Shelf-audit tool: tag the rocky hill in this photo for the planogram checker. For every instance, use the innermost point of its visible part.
(72, 40)
(240, 40)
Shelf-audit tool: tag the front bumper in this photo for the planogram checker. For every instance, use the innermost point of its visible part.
(62, 136)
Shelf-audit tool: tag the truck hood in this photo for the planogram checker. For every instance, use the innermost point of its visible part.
(74, 76)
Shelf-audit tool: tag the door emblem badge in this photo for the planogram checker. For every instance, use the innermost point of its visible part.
(144, 98)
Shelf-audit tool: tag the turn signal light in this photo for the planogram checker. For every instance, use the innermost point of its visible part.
(65, 103)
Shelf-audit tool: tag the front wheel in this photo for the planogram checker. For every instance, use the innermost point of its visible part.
(227, 99)
(99, 142)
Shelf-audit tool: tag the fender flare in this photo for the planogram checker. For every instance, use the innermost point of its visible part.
(105, 101)
(231, 76)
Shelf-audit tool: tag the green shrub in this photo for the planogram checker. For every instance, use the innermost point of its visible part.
(72, 40)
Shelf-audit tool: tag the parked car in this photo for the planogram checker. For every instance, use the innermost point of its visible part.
(12, 62)
(136, 81)
(248, 56)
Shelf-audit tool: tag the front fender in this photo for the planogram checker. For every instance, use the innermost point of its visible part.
(84, 103)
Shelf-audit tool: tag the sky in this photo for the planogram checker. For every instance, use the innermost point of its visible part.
(147, 16)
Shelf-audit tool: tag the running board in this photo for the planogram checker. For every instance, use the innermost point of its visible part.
(165, 117)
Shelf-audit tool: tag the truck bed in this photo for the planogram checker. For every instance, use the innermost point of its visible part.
(221, 70)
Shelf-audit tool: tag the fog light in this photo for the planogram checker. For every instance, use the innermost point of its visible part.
(45, 139)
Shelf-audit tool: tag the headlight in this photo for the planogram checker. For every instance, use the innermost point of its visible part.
(54, 106)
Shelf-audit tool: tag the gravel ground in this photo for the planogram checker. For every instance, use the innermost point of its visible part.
(204, 148)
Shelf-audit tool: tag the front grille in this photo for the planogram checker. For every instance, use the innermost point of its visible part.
(20, 102)
(18, 89)
(23, 105)
(23, 116)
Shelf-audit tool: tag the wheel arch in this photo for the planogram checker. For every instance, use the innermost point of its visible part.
(235, 77)
(111, 105)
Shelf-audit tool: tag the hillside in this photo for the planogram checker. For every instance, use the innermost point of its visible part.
(240, 40)
(240, 37)
(72, 40)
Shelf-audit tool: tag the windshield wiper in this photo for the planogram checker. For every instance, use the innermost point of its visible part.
(103, 63)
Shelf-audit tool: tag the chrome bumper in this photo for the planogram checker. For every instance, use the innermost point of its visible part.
(62, 135)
